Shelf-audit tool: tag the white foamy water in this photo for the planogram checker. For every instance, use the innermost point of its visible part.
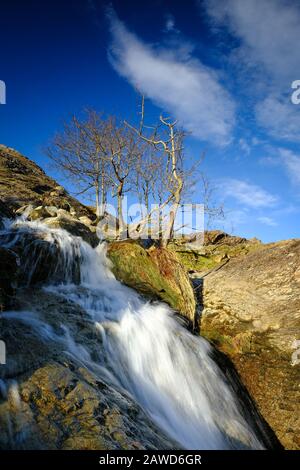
(145, 351)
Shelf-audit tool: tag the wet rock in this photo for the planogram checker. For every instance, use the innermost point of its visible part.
(73, 226)
(5, 213)
(9, 270)
(63, 406)
(40, 258)
(52, 401)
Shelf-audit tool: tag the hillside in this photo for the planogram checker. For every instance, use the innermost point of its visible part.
(23, 182)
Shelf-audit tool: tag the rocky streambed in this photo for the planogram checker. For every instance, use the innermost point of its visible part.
(92, 365)
(51, 397)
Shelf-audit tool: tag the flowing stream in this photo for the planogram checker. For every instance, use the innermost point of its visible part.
(168, 371)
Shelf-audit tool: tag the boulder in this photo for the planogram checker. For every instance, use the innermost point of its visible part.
(73, 226)
(154, 272)
(38, 259)
(85, 220)
(250, 312)
(5, 213)
(39, 213)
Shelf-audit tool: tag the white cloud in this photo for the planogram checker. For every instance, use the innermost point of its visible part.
(267, 221)
(279, 117)
(269, 31)
(291, 162)
(247, 194)
(178, 83)
(269, 35)
(245, 147)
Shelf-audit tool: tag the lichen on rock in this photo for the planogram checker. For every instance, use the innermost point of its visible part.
(251, 313)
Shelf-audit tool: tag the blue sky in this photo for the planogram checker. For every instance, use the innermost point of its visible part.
(224, 68)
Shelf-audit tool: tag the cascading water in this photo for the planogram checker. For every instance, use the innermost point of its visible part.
(168, 371)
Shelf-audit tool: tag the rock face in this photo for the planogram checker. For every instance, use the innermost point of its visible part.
(251, 312)
(25, 188)
(218, 247)
(155, 272)
(58, 403)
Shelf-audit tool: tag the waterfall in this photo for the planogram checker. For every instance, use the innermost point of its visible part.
(145, 352)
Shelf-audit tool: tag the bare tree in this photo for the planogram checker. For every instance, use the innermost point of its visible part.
(167, 140)
(176, 179)
(79, 153)
(212, 208)
(122, 151)
(102, 155)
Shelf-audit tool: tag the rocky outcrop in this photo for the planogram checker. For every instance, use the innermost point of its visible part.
(23, 183)
(58, 403)
(217, 248)
(154, 272)
(26, 189)
(250, 312)
(73, 226)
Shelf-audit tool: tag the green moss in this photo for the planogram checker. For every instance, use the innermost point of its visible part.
(156, 273)
(210, 256)
(222, 342)
(195, 262)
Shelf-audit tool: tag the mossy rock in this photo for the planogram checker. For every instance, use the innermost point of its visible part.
(210, 256)
(154, 272)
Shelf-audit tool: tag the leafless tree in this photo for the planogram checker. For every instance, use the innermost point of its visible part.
(166, 139)
(104, 155)
(79, 152)
(123, 152)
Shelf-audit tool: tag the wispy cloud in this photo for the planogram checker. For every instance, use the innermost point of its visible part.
(268, 34)
(245, 146)
(286, 158)
(279, 117)
(268, 30)
(267, 221)
(247, 194)
(176, 82)
(291, 162)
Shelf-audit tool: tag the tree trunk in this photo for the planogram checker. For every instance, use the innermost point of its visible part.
(177, 192)
(120, 207)
(98, 211)
(103, 189)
